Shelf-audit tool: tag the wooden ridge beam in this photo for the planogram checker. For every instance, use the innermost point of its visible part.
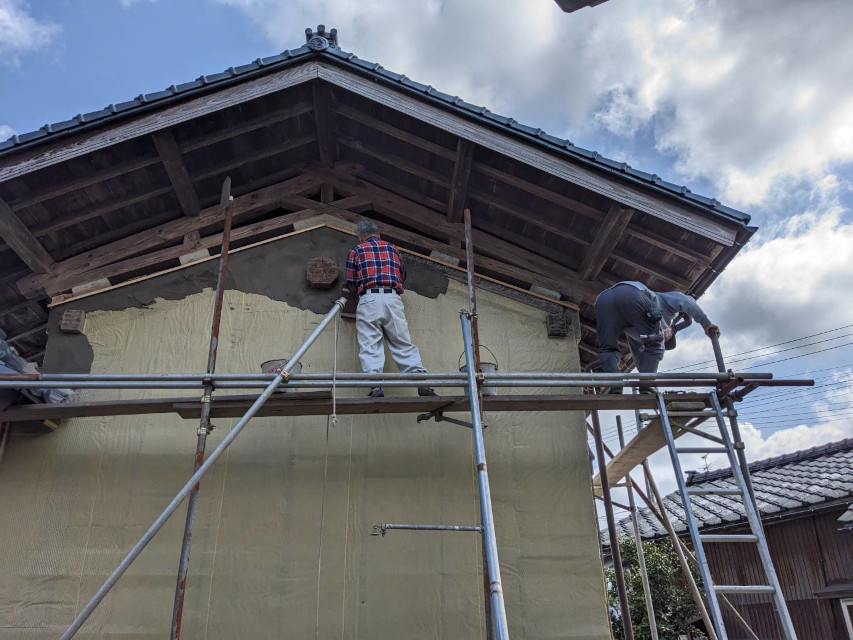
(615, 221)
(71, 268)
(22, 241)
(324, 120)
(304, 403)
(459, 181)
(176, 169)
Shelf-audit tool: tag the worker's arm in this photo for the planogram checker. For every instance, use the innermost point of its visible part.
(352, 273)
(676, 302)
(10, 358)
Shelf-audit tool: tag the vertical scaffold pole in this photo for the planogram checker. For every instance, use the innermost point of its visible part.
(282, 376)
(494, 604)
(619, 574)
(226, 203)
(641, 554)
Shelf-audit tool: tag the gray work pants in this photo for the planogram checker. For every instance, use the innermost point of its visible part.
(622, 309)
(382, 315)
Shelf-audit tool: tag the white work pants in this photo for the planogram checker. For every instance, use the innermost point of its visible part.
(378, 315)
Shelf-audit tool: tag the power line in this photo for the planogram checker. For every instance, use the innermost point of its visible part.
(778, 344)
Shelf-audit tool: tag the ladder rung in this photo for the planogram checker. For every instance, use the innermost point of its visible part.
(744, 588)
(747, 537)
(693, 414)
(715, 492)
(702, 450)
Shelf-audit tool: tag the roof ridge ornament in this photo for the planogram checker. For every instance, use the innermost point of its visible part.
(321, 39)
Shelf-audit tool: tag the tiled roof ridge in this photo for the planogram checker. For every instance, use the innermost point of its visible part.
(820, 451)
(324, 44)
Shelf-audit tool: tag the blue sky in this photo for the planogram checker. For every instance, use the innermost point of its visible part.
(724, 97)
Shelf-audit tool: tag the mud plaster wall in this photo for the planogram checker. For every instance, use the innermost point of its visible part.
(285, 506)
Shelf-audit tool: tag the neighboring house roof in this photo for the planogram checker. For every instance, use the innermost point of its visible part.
(783, 484)
(326, 47)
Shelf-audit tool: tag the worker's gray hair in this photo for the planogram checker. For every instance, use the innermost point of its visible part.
(366, 228)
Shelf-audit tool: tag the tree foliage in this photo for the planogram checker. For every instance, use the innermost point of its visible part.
(671, 597)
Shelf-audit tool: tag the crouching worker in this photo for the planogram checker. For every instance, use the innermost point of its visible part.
(375, 272)
(645, 318)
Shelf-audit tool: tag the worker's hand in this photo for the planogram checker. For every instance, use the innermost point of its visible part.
(712, 330)
(667, 334)
(346, 292)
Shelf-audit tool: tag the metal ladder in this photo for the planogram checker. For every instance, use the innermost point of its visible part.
(740, 473)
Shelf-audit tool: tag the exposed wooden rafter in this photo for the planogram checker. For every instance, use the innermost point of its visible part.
(325, 121)
(176, 169)
(459, 182)
(605, 241)
(22, 241)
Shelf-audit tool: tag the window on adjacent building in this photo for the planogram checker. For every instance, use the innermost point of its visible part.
(847, 609)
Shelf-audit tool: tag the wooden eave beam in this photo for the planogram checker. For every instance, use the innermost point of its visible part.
(324, 118)
(72, 269)
(459, 181)
(615, 221)
(500, 267)
(22, 241)
(419, 217)
(176, 169)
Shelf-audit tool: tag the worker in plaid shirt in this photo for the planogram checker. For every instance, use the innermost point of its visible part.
(376, 273)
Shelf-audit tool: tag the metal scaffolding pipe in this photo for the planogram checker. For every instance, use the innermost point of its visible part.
(380, 529)
(110, 582)
(604, 378)
(486, 514)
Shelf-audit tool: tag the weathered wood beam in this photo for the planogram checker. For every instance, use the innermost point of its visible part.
(246, 126)
(537, 220)
(459, 182)
(327, 193)
(419, 217)
(654, 270)
(324, 119)
(395, 132)
(176, 169)
(615, 221)
(398, 162)
(239, 161)
(88, 213)
(42, 326)
(73, 184)
(667, 244)
(502, 268)
(212, 241)
(304, 403)
(70, 269)
(22, 241)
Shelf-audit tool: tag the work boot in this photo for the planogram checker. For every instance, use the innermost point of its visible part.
(376, 392)
(649, 390)
(426, 391)
(613, 391)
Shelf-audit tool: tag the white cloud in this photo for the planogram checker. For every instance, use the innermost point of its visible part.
(6, 132)
(21, 33)
(728, 88)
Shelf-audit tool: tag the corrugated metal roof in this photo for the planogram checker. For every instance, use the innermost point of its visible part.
(783, 483)
(327, 49)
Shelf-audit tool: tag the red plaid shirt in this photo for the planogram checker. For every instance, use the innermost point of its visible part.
(375, 264)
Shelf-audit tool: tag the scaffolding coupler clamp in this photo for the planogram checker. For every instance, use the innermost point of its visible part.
(379, 530)
(739, 445)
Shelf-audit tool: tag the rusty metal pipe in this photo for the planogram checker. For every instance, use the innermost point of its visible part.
(226, 203)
